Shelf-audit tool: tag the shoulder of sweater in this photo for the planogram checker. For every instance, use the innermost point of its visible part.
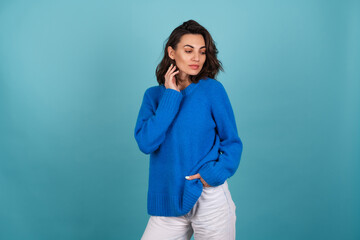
(214, 85)
(153, 90)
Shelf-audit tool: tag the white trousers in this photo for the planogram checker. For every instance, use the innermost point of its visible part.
(213, 217)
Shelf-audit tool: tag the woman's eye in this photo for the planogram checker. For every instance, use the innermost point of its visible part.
(190, 52)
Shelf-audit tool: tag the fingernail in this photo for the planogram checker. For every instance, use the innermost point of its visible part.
(187, 177)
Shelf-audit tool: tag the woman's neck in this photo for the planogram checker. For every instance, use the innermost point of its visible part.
(183, 82)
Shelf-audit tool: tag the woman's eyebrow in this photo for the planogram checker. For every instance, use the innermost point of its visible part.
(192, 46)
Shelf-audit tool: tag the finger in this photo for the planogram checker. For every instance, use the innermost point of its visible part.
(169, 69)
(197, 175)
(205, 184)
(174, 73)
(204, 181)
(172, 77)
(193, 176)
(172, 67)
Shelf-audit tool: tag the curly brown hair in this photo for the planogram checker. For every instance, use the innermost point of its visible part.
(211, 66)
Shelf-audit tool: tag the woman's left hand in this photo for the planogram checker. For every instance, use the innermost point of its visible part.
(201, 179)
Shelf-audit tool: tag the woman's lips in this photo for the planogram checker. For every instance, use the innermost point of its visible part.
(194, 66)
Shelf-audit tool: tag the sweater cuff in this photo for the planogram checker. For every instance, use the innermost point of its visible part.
(169, 103)
(213, 173)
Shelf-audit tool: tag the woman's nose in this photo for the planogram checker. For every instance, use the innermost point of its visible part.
(196, 57)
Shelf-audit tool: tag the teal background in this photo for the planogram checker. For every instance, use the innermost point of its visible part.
(72, 77)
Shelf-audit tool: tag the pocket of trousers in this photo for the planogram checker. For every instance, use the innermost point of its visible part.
(229, 197)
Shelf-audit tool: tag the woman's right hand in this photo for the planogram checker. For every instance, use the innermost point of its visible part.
(170, 81)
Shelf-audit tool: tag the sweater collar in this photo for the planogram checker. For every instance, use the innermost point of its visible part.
(186, 91)
(189, 88)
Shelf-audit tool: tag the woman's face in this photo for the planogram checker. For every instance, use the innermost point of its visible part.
(190, 52)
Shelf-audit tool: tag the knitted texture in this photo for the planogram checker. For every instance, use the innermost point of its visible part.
(187, 132)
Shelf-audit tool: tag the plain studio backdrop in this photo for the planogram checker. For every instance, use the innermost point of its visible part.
(72, 78)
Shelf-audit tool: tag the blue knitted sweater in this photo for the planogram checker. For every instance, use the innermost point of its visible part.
(187, 132)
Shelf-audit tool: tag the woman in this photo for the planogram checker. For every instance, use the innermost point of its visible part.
(188, 127)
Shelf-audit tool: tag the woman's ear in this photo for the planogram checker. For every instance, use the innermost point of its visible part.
(170, 52)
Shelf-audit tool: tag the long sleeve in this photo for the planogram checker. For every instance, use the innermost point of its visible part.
(215, 172)
(151, 124)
